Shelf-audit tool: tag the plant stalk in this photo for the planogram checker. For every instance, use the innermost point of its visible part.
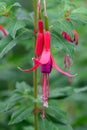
(35, 71)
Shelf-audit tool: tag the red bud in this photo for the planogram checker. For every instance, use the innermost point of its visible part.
(67, 36)
(68, 19)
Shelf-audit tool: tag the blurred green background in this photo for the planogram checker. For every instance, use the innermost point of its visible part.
(75, 105)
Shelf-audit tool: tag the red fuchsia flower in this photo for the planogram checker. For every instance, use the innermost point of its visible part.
(46, 63)
(67, 60)
(3, 30)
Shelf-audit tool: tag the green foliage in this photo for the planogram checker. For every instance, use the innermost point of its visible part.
(4, 9)
(20, 103)
(59, 93)
(45, 124)
(25, 34)
(61, 43)
(16, 49)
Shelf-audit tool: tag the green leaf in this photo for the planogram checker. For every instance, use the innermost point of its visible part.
(80, 121)
(11, 6)
(80, 10)
(27, 34)
(80, 90)
(2, 7)
(23, 87)
(64, 127)
(4, 41)
(10, 103)
(79, 15)
(20, 114)
(29, 128)
(63, 25)
(56, 115)
(21, 95)
(2, 107)
(15, 26)
(18, 25)
(45, 124)
(59, 42)
(5, 9)
(60, 93)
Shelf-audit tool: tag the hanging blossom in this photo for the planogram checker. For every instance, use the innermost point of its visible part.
(44, 58)
(67, 59)
(3, 30)
(46, 63)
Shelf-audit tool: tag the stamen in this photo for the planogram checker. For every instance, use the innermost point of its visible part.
(48, 86)
(44, 90)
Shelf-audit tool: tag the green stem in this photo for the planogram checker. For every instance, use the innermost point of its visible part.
(35, 72)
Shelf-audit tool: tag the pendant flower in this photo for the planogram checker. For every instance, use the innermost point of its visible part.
(67, 59)
(46, 63)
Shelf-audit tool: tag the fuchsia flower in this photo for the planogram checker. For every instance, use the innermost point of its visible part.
(3, 30)
(67, 60)
(44, 58)
(46, 63)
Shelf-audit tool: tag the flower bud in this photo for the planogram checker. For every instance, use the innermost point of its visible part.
(67, 36)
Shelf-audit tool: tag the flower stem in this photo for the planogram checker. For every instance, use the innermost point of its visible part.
(35, 71)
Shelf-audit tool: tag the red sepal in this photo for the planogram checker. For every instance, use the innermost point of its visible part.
(47, 40)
